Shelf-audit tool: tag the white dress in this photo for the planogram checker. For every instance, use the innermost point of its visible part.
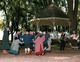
(49, 44)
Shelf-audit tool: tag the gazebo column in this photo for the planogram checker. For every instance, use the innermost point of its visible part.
(31, 26)
(37, 23)
(54, 32)
(69, 25)
(53, 24)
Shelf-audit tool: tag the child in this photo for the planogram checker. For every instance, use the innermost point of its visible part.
(15, 46)
(26, 39)
(39, 44)
(46, 39)
(49, 45)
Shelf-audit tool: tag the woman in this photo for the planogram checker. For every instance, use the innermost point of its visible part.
(49, 45)
(5, 41)
(15, 46)
(39, 44)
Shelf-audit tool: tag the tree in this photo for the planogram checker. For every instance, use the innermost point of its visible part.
(72, 12)
(19, 12)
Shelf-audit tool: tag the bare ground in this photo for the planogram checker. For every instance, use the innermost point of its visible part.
(69, 55)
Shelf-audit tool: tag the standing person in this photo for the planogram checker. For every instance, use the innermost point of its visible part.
(63, 39)
(5, 40)
(46, 39)
(32, 36)
(17, 34)
(39, 44)
(15, 46)
(26, 39)
(49, 45)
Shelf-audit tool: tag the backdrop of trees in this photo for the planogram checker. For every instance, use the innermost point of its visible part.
(19, 12)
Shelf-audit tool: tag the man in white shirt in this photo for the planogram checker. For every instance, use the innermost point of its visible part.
(74, 36)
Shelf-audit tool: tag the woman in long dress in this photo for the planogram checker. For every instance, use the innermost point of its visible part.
(15, 46)
(39, 44)
(49, 45)
(5, 41)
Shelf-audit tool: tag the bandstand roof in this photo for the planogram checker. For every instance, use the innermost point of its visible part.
(51, 15)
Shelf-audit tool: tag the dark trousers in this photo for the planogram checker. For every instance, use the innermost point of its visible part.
(31, 46)
(45, 45)
(27, 45)
(62, 45)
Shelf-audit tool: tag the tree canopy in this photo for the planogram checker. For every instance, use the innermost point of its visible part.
(19, 12)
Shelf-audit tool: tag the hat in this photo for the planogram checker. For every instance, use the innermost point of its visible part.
(38, 34)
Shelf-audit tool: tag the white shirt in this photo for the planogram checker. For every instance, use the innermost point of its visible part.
(73, 36)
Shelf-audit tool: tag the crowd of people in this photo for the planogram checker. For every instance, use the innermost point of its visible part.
(34, 42)
(37, 43)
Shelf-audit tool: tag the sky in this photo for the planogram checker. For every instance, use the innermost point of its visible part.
(1, 17)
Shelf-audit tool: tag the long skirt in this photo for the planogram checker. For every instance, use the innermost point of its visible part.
(14, 52)
(41, 51)
(5, 45)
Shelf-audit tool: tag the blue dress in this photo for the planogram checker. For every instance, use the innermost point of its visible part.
(5, 41)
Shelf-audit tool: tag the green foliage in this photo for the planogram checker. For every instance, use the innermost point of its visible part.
(19, 12)
(2, 24)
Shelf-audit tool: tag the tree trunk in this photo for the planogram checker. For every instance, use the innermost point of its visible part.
(12, 27)
(73, 14)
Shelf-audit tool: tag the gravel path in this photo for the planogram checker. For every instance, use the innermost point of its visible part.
(68, 55)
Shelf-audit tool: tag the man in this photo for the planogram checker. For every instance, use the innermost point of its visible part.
(74, 38)
(32, 36)
(26, 39)
(63, 39)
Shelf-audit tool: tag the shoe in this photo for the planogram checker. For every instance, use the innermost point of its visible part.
(14, 54)
(25, 53)
(5, 52)
(39, 55)
(32, 52)
(28, 53)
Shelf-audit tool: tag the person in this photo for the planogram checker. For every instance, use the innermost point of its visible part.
(15, 46)
(18, 34)
(5, 41)
(46, 39)
(63, 40)
(32, 36)
(26, 39)
(74, 38)
(39, 44)
(49, 45)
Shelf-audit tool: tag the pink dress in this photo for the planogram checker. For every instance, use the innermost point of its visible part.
(39, 45)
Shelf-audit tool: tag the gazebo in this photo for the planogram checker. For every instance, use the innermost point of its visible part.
(51, 16)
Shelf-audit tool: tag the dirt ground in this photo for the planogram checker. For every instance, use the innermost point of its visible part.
(69, 55)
